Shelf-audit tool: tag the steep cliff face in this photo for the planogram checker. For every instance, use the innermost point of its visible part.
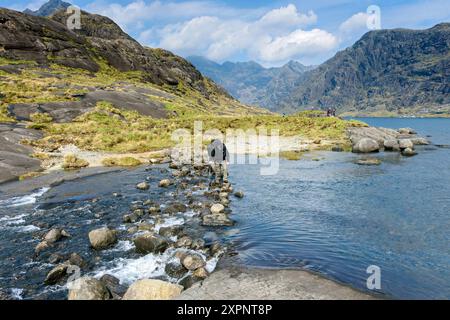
(387, 70)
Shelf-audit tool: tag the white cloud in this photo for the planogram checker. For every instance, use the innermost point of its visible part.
(277, 36)
(355, 23)
(139, 12)
(298, 43)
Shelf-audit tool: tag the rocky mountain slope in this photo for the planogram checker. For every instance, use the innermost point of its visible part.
(386, 72)
(97, 86)
(48, 8)
(250, 82)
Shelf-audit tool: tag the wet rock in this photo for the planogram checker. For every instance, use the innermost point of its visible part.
(154, 210)
(215, 248)
(170, 231)
(154, 161)
(184, 242)
(239, 194)
(55, 235)
(4, 296)
(408, 152)
(102, 238)
(87, 288)
(175, 208)
(217, 208)
(113, 285)
(405, 144)
(192, 262)
(132, 230)
(391, 145)
(55, 258)
(201, 273)
(419, 141)
(189, 281)
(150, 243)
(223, 195)
(139, 212)
(406, 131)
(366, 145)
(174, 165)
(152, 290)
(175, 270)
(165, 183)
(198, 244)
(225, 202)
(217, 220)
(44, 245)
(143, 186)
(369, 162)
(56, 274)
(76, 260)
(129, 218)
(145, 226)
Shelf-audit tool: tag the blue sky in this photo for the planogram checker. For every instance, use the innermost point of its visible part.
(269, 32)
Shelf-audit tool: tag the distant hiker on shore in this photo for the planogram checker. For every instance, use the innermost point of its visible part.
(218, 156)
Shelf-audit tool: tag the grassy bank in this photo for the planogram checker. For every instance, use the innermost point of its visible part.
(108, 128)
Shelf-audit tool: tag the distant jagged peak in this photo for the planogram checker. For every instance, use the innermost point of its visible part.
(48, 8)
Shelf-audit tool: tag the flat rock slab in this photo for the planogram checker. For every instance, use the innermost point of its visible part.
(261, 284)
(15, 158)
(62, 112)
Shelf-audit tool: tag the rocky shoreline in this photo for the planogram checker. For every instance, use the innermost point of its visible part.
(191, 256)
(170, 229)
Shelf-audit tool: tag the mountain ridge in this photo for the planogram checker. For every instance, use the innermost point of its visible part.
(393, 70)
(249, 81)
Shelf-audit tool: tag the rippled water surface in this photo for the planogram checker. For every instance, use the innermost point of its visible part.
(338, 218)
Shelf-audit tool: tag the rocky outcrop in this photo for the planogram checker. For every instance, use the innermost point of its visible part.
(192, 262)
(102, 238)
(150, 243)
(386, 70)
(87, 288)
(152, 290)
(371, 139)
(47, 40)
(366, 145)
(15, 157)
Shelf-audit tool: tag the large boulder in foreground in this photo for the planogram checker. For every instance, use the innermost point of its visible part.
(152, 290)
(366, 145)
(150, 243)
(87, 288)
(102, 238)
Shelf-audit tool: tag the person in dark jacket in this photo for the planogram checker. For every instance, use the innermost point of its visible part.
(218, 156)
